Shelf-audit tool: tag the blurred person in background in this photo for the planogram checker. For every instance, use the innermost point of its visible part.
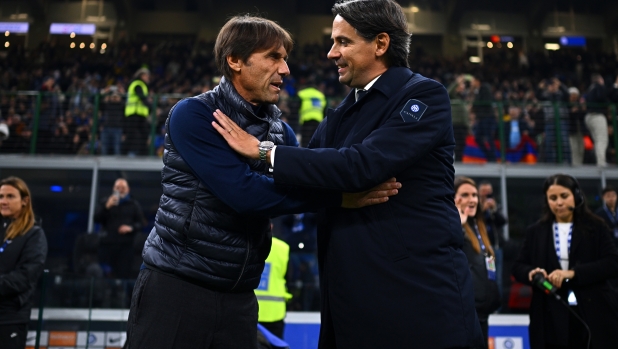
(23, 249)
(136, 113)
(112, 121)
(552, 95)
(572, 248)
(478, 250)
(272, 293)
(485, 121)
(495, 222)
(311, 113)
(516, 126)
(577, 128)
(121, 218)
(596, 121)
(608, 211)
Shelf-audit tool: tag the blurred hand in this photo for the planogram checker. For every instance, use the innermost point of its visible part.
(536, 270)
(376, 195)
(111, 201)
(558, 276)
(125, 229)
(489, 204)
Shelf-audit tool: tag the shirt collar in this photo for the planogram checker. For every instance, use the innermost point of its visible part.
(368, 86)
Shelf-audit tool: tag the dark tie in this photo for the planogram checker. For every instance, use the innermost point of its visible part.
(360, 94)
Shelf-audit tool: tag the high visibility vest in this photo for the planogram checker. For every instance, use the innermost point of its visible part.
(312, 104)
(134, 104)
(271, 293)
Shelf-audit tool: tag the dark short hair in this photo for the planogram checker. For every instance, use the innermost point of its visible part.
(243, 35)
(372, 17)
(608, 189)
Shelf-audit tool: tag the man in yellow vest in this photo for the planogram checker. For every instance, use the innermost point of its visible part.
(311, 113)
(271, 293)
(136, 113)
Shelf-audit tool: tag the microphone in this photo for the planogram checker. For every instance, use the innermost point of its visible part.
(541, 282)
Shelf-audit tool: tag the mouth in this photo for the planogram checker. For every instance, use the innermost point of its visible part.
(276, 85)
(341, 67)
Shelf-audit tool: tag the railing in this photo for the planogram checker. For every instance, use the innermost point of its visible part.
(90, 124)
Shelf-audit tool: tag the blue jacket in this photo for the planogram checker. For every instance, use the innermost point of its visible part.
(392, 275)
(212, 226)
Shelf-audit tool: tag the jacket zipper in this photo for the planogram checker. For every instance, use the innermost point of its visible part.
(242, 271)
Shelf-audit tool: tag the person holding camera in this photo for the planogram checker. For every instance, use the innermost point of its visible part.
(572, 250)
(121, 217)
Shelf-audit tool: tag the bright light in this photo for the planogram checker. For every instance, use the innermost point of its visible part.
(414, 9)
(6, 44)
(490, 45)
(301, 245)
(7, 33)
(480, 27)
(552, 47)
(72, 45)
(82, 45)
(102, 51)
(92, 45)
(72, 35)
(509, 45)
(103, 46)
(475, 59)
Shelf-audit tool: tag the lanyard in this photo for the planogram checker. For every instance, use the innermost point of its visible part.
(4, 245)
(478, 235)
(557, 240)
(611, 216)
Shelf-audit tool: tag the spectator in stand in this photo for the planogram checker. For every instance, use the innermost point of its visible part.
(485, 121)
(137, 113)
(112, 121)
(311, 113)
(121, 218)
(516, 127)
(608, 211)
(553, 94)
(50, 110)
(596, 121)
(577, 129)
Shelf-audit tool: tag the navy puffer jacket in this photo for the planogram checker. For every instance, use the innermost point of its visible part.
(196, 236)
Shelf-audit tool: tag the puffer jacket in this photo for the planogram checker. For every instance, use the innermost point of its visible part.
(196, 236)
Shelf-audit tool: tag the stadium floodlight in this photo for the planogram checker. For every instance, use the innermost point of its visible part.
(475, 59)
(77, 28)
(14, 27)
(552, 47)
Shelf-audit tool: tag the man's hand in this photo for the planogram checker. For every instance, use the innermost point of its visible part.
(376, 195)
(125, 229)
(239, 140)
(558, 276)
(489, 205)
(111, 201)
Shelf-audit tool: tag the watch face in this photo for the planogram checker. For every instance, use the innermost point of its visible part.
(267, 145)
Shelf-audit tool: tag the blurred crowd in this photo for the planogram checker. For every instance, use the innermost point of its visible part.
(524, 93)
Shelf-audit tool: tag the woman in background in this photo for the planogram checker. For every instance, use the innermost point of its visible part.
(23, 249)
(573, 250)
(477, 247)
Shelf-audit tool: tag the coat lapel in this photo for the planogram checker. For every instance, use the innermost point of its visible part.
(550, 248)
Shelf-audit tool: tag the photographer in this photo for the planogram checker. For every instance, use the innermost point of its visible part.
(121, 217)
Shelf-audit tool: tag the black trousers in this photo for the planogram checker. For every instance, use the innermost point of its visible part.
(13, 336)
(167, 312)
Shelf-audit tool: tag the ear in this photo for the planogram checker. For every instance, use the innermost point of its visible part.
(383, 41)
(25, 201)
(234, 62)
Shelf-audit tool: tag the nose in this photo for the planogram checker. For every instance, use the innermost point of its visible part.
(284, 70)
(333, 53)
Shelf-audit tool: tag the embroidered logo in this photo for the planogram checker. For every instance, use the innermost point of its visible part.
(413, 110)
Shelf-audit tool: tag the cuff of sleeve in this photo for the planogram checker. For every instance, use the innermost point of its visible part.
(272, 157)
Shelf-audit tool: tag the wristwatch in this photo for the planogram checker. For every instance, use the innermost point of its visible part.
(264, 147)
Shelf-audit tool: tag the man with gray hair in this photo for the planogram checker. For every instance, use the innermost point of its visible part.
(391, 275)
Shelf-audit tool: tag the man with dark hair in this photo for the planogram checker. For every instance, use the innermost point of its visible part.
(608, 211)
(206, 252)
(392, 275)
